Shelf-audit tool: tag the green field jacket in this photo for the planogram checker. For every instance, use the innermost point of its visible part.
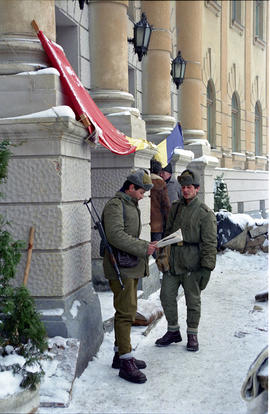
(123, 231)
(199, 228)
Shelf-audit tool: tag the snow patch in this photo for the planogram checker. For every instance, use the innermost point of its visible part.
(52, 312)
(9, 383)
(74, 308)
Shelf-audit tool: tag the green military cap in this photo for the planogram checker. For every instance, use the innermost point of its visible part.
(189, 177)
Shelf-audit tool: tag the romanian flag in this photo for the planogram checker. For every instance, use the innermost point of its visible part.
(100, 128)
(168, 145)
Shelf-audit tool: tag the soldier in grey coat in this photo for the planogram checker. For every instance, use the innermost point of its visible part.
(190, 262)
(122, 224)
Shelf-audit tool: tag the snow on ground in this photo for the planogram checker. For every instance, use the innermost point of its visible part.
(233, 330)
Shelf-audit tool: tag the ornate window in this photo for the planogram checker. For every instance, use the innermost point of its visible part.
(258, 129)
(236, 16)
(259, 23)
(211, 114)
(259, 19)
(236, 146)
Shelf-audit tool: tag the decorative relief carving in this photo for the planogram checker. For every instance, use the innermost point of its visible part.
(235, 84)
(258, 93)
(210, 70)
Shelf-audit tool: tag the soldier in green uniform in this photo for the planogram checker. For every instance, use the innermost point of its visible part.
(190, 262)
(122, 224)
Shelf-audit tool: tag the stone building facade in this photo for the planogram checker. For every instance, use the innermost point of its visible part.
(223, 107)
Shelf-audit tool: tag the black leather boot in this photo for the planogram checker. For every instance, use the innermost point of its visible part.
(116, 362)
(192, 344)
(130, 372)
(169, 338)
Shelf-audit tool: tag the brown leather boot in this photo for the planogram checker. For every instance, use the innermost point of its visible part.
(192, 344)
(130, 372)
(169, 338)
(116, 362)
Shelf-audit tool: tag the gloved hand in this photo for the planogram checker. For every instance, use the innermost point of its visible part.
(163, 258)
(205, 276)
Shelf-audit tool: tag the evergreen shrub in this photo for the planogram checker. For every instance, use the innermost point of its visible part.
(221, 196)
(21, 330)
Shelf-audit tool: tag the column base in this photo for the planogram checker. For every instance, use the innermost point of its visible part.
(129, 123)
(158, 127)
(27, 55)
(77, 315)
(194, 141)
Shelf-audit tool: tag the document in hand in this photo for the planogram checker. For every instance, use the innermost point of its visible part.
(175, 237)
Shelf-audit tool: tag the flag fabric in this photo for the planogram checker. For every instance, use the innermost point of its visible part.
(168, 145)
(99, 127)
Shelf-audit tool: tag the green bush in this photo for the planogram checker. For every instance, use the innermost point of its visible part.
(20, 325)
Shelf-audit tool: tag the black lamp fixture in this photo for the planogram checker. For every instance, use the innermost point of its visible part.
(81, 3)
(178, 69)
(142, 33)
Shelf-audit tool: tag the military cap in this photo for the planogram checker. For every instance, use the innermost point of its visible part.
(141, 178)
(189, 177)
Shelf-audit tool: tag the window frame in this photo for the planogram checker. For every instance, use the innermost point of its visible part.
(237, 16)
(236, 121)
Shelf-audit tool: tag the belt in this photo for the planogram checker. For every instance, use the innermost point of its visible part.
(184, 243)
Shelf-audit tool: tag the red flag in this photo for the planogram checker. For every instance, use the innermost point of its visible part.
(83, 105)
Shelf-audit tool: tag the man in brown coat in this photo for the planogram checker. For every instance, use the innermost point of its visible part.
(160, 202)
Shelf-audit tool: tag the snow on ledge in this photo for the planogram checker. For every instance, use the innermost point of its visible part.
(206, 159)
(54, 112)
(47, 71)
(183, 152)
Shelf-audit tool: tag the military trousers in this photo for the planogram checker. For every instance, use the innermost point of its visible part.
(168, 296)
(125, 304)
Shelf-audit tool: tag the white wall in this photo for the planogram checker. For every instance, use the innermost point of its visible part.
(246, 186)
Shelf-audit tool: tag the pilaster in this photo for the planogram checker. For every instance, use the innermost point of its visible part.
(205, 167)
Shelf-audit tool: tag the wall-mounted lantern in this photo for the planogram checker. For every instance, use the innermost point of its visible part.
(142, 33)
(178, 69)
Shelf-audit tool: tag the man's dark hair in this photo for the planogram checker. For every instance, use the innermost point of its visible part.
(155, 166)
(126, 185)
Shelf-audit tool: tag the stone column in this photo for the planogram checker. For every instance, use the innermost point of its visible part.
(20, 49)
(189, 17)
(109, 68)
(156, 72)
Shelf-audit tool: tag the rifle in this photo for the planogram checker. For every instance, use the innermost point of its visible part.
(98, 226)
